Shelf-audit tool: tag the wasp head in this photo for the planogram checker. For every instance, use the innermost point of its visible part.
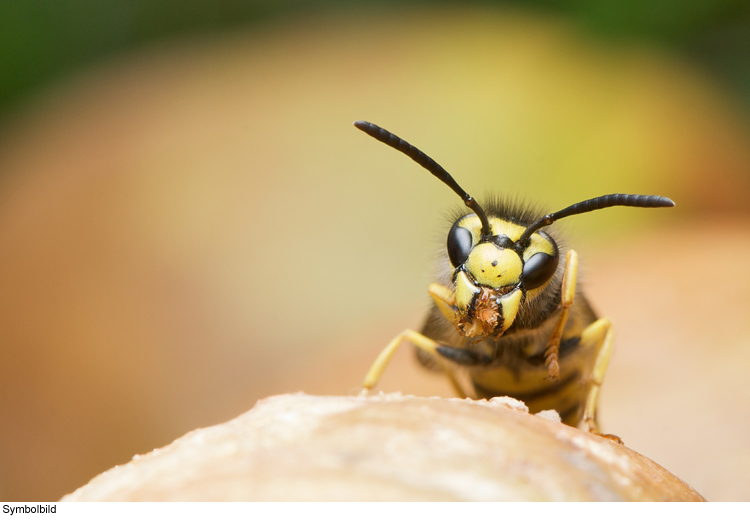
(492, 274)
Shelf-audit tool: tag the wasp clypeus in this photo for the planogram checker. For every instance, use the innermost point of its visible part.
(504, 280)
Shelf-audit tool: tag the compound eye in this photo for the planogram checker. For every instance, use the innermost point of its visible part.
(459, 244)
(538, 269)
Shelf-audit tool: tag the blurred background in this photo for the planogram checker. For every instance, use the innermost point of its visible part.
(186, 209)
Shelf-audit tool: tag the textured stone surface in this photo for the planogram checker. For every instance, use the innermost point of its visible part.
(387, 447)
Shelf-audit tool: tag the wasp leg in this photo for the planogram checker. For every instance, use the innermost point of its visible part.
(551, 352)
(599, 336)
(445, 300)
(420, 341)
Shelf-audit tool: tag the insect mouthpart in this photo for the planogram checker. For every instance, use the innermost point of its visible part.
(483, 316)
(489, 312)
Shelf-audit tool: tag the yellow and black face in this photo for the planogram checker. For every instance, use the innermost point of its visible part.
(492, 275)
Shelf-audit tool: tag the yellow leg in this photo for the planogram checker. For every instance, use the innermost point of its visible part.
(598, 335)
(445, 300)
(418, 340)
(567, 296)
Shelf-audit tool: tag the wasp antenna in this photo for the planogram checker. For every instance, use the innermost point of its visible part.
(429, 164)
(597, 203)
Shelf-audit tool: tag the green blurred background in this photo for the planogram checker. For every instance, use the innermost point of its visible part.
(189, 222)
(42, 40)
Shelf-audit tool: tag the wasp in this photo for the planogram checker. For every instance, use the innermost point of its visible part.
(508, 317)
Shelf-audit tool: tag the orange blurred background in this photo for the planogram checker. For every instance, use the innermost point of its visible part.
(195, 225)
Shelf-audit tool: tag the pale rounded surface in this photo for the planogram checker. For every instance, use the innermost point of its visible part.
(387, 447)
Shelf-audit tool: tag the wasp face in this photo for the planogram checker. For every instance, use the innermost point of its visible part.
(492, 277)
